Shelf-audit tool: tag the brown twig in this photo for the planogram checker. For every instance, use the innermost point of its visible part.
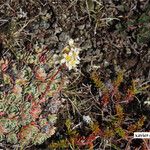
(51, 79)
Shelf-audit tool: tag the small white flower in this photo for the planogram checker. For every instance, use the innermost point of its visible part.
(87, 119)
(71, 42)
(67, 57)
(71, 59)
(71, 56)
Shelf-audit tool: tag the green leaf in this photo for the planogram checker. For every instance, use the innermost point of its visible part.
(12, 138)
(115, 147)
(2, 137)
(40, 138)
(144, 18)
(68, 124)
(120, 132)
(52, 118)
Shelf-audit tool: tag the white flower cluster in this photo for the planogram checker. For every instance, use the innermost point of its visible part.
(71, 57)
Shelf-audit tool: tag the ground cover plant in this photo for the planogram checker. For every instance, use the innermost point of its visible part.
(74, 74)
(110, 123)
(27, 113)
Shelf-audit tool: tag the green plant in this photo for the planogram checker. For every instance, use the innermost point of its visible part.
(113, 126)
(24, 120)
